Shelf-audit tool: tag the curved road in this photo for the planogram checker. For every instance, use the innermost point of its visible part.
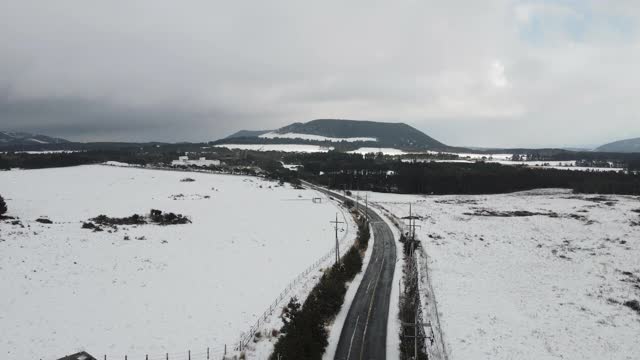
(364, 333)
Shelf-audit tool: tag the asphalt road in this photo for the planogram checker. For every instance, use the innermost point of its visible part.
(364, 333)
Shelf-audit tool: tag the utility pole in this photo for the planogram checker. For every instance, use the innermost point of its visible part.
(412, 230)
(337, 242)
(415, 325)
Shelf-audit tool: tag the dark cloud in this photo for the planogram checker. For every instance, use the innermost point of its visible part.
(485, 73)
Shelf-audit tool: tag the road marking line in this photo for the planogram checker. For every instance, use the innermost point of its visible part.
(366, 325)
(352, 336)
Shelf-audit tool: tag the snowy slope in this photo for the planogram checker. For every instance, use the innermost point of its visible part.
(278, 147)
(371, 150)
(276, 135)
(168, 289)
(532, 287)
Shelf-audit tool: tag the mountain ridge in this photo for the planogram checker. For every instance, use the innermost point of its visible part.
(621, 146)
(369, 133)
(10, 138)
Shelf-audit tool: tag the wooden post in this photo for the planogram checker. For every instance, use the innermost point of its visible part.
(189, 354)
(167, 356)
(225, 349)
(207, 353)
(147, 357)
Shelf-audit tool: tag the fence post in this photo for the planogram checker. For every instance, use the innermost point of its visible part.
(225, 349)
(207, 353)
(167, 356)
(147, 357)
(189, 354)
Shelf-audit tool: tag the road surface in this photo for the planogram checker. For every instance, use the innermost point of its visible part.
(364, 333)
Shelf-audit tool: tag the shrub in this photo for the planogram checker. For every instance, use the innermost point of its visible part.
(131, 220)
(3, 206)
(363, 234)
(169, 218)
(633, 305)
(88, 225)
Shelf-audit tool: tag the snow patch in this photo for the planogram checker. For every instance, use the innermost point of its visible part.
(277, 147)
(275, 135)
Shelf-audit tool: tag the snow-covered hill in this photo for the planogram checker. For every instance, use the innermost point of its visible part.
(148, 289)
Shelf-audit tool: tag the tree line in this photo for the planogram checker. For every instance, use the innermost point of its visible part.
(348, 171)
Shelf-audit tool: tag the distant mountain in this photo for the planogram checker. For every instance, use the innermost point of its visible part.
(622, 146)
(343, 133)
(247, 133)
(8, 138)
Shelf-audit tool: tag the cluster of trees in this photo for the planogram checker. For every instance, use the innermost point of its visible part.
(345, 171)
(304, 333)
(40, 161)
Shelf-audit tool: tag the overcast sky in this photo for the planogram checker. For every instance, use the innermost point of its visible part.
(475, 73)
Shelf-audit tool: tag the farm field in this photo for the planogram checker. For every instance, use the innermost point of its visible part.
(148, 289)
(533, 275)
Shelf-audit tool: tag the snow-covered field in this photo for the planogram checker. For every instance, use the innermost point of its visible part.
(166, 290)
(559, 165)
(545, 286)
(370, 150)
(278, 147)
(275, 135)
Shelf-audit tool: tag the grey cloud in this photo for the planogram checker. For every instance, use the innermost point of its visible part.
(198, 70)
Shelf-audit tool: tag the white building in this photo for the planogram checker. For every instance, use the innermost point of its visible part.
(184, 161)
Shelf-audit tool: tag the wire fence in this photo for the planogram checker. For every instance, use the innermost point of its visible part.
(247, 337)
(210, 353)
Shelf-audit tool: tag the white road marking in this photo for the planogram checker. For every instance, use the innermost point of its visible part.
(364, 333)
(352, 336)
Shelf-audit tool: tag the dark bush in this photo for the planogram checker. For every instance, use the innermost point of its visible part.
(44, 221)
(3, 206)
(88, 225)
(633, 305)
(131, 220)
(363, 234)
(170, 218)
(349, 203)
